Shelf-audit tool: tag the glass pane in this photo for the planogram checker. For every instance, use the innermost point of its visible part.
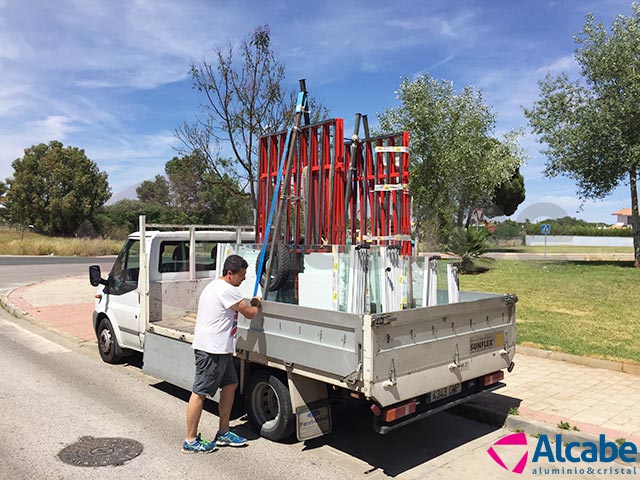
(332, 278)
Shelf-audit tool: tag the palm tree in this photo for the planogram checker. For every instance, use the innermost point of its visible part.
(468, 244)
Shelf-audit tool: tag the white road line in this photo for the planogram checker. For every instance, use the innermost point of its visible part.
(29, 339)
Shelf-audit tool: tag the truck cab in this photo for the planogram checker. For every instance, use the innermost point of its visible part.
(175, 258)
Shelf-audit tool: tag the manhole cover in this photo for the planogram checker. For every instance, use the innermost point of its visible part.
(99, 452)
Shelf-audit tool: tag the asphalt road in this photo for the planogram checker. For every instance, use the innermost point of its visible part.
(20, 270)
(53, 395)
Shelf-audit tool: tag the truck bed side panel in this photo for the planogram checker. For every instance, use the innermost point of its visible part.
(169, 359)
(324, 340)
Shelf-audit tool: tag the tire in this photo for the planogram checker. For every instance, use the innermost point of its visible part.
(280, 267)
(110, 351)
(268, 405)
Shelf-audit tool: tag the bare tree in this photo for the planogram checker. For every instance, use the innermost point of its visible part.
(243, 99)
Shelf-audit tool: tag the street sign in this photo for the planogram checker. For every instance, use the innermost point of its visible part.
(545, 229)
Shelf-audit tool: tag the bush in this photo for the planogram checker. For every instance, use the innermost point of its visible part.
(508, 230)
(468, 243)
(573, 226)
(34, 244)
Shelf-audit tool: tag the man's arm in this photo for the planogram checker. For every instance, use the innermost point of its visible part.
(249, 311)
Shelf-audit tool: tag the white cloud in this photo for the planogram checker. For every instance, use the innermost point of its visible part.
(12, 96)
(565, 64)
(139, 44)
(42, 130)
(129, 159)
(452, 27)
(337, 44)
(54, 127)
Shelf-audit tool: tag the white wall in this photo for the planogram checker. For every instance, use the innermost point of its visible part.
(533, 240)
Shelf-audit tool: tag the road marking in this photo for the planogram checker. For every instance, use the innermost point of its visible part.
(29, 339)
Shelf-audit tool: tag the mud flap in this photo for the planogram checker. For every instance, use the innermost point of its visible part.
(310, 405)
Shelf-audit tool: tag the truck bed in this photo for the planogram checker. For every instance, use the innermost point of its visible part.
(387, 357)
(176, 327)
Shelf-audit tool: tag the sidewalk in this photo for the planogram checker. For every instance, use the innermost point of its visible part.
(65, 304)
(594, 396)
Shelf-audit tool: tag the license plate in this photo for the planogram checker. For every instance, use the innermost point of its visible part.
(445, 392)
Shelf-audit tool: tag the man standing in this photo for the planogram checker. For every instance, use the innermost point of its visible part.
(214, 344)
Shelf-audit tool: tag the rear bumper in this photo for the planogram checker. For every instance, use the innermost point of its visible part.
(382, 427)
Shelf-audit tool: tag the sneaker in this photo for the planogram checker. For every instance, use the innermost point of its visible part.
(199, 446)
(230, 439)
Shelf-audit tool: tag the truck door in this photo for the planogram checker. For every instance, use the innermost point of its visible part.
(123, 301)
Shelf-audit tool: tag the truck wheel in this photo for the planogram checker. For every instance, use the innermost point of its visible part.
(268, 405)
(107, 343)
(280, 267)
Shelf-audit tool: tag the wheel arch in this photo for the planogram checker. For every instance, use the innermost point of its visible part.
(273, 383)
(120, 350)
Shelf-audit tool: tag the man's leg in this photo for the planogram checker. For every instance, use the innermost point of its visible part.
(227, 395)
(194, 411)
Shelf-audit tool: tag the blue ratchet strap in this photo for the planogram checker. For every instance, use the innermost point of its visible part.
(300, 104)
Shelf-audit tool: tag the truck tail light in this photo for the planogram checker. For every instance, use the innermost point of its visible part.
(492, 378)
(398, 412)
(376, 410)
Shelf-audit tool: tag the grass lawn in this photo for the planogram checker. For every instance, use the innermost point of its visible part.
(31, 243)
(582, 308)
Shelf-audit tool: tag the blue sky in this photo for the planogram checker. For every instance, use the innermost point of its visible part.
(112, 77)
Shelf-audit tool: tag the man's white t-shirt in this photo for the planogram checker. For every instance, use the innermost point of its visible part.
(216, 322)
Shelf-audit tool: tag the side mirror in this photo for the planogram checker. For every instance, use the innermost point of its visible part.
(95, 276)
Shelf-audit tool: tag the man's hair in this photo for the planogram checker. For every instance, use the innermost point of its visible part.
(235, 263)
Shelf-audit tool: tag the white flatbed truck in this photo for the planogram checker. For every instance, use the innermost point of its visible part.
(293, 360)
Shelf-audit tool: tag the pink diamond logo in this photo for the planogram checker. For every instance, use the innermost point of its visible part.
(517, 439)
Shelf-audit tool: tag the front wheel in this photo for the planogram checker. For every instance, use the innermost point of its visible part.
(268, 405)
(107, 343)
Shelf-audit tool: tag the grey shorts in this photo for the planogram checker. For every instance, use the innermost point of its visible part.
(213, 371)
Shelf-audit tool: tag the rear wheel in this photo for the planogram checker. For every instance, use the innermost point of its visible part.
(108, 346)
(268, 404)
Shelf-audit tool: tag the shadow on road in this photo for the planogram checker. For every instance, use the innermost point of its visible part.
(402, 449)
(237, 413)
(602, 263)
(394, 453)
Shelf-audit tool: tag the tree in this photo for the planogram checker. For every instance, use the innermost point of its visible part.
(122, 217)
(590, 126)
(4, 214)
(200, 198)
(154, 191)
(509, 195)
(242, 100)
(456, 163)
(55, 188)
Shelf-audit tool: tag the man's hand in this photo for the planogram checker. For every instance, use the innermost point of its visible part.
(256, 302)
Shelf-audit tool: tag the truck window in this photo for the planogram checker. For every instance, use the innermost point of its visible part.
(124, 273)
(174, 256)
